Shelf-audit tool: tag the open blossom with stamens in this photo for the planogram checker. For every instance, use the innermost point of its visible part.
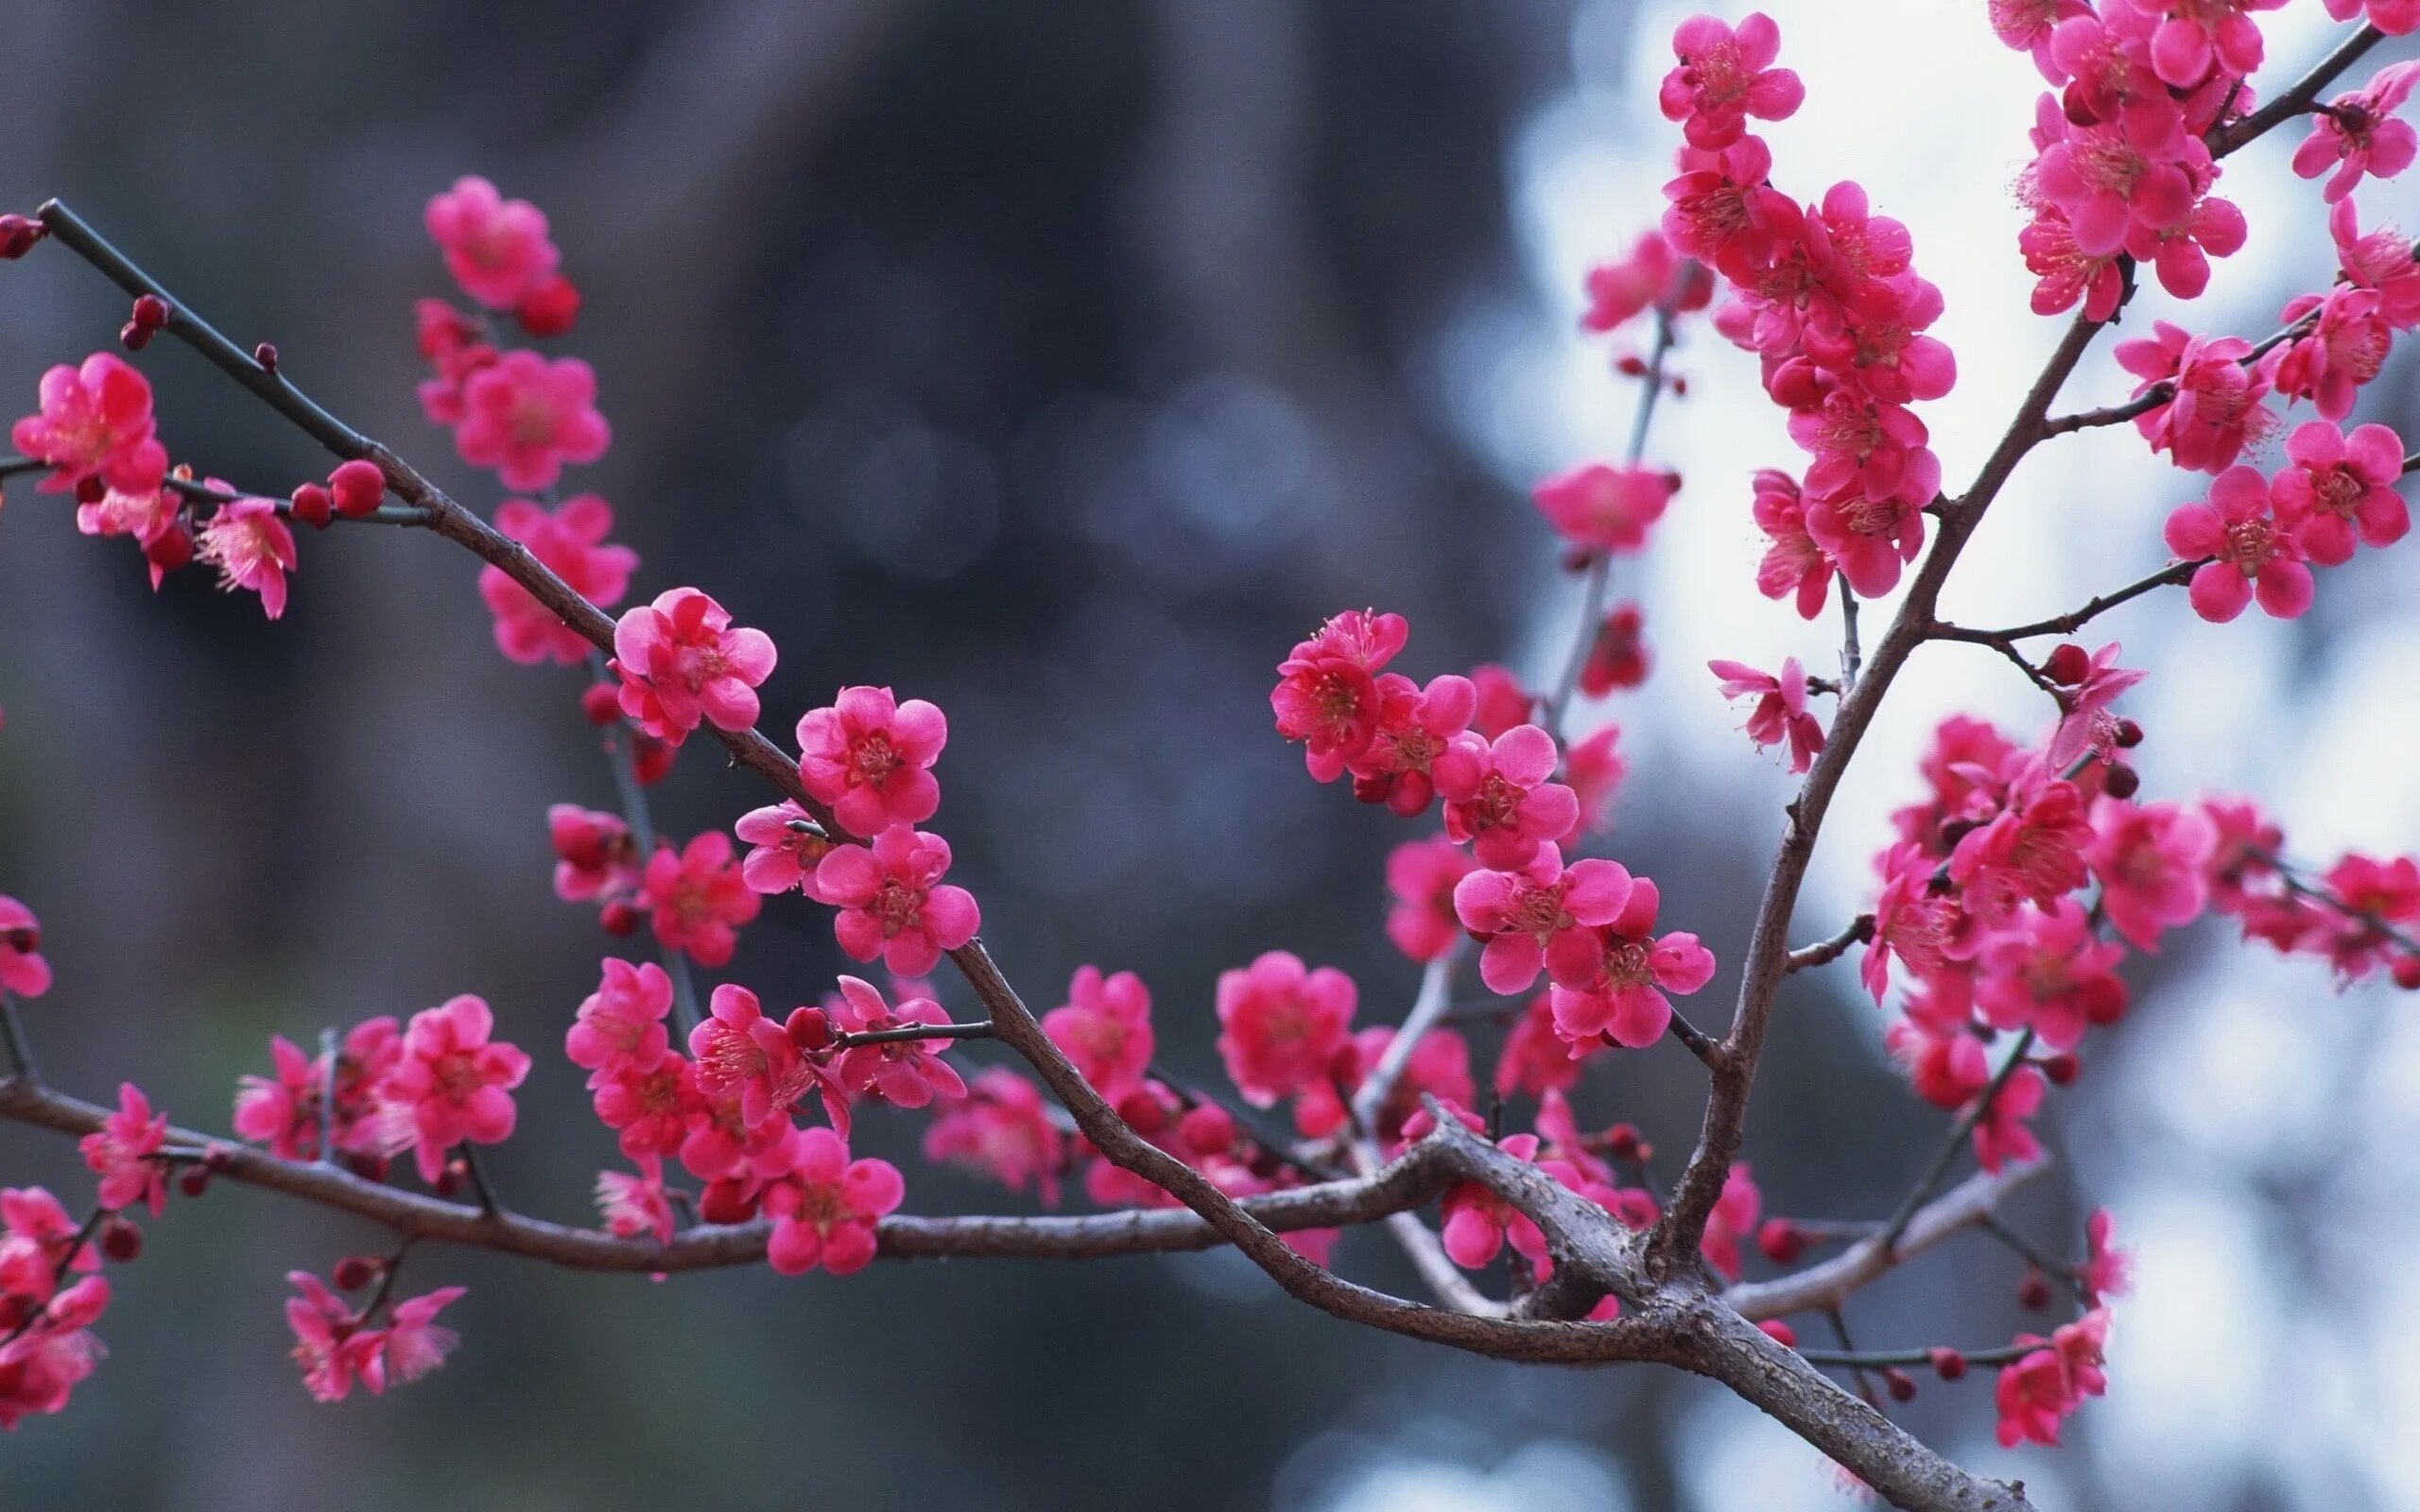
(2027, 27)
(2255, 550)
(2381, 258)
(695, 899)
(1002, 1129)
(768, 1067)
(2343, 346)
(893, 903)
(2152, 860)
(2084, 721)
(570, 542)
(1545, 916)
(2215, 401)
(496, 248)
(904, 1074)
(2049, 973)
(145, 514)
(414, 1343)
(786, 852)
(2065, 272)
(2047, 1383)
(525, 416)
(1780, 715)
(1724, 76)
(1794, 567)
(634, 1202)
(1652, 276)
(41, 1366)
(1923, 928)
(870, 757)
(2358, 133)
(2032, 851)
(1282, 1025)
(1624, 1003)
(652, 1106)
(1498, 796)
(1327, 691)
(94, 422)
(455, 1081)
(681, 661)
(329, 1344)
(2341, 486)
(622, 1021)
(124, 1153)
(1421, 875)
(251, 548)
(1723, 210)
(825, 1205)
(1105, 1028)
(23, 971)
(1603, 507)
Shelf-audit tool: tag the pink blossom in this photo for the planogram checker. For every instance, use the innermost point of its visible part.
(1327, 691)
(1498, 796)
(525, 416)
(2084, 721)
(1780, 712)
(1653, 275)
(1477, 1223)
(281, 1110)
(594, 855)
(2242, 860)
(454, 1081)
(1946, 1065)
(2028, 25)
(785, 850)
(2151, 859)
(825, 1206)
(496, 248)
(570, 542)
(892, 902)
(2044, 1387)
(1543, 916)
(1723, 209)
(769, 1068)
(1794, 566)
(680, 661)
(1535, 1060)
(2342, 347)
(1415, 726)
(23, 971)
(1725, 76)
(1003, 1129)
(652, 1104)
(1912, 920)
(2106, 183)
(2199, 36)
(2065, 272)
(1624, 1003)
(1961, 767)
(414, 1343)
(622, 1021)
(2032, 851)
(904, 1074)
(1439, 1066)
(2342, 488)
(2214, 400)
(695, 899)
(149, 515)
(2107, 1269)
(2381, 258)
(1502, 702)
(870, 757)
(2048, 972)
(1603, 507)
(2000, 1135)
(1421, 875)
(1618, 654)
(2245, 548)
(253, 550)
(1105, 1028)
(124, 1153)
(1282, 1025)
(2356, 133)
(2385, 891)
(329, 1344)
(1594, 767)
(95, 422)
(2396, 18)
(1732, 1223)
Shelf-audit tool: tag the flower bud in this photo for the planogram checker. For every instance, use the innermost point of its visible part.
(120, 1240)
(170, 549)
(1143, 1111)
(1623, 1144)
(2123, 781)
(1949, 1364)
(313, 505)
(195, 1180)
(1901, 1385)
(150, 312)
(2034, 1290)
(809, 1028)
(2068, 664)
(650, 758)
(266, 354)
(550, 309)
(18, 234)
(2129, 734)
(1208, 1128)
(1781, 1239)
(354, 1272)
(620, 919)
(1780, 1333)
(132, 336)
(601, 703)
(725, 1202)
(2406, 972)
(2061, 1068)
(357, 486)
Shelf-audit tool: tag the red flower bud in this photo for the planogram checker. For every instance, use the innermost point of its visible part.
(620, 919)
(1208, 1128)
(357, 486)
(550, 309)
(18, 234)
(1781, 1239)
(120, 1240)
(2068, 664)
(195, 1181)
(132, 336)
(725, 1202)
(601, 703)
(1143, 1111)
(2034, 1290)
(2129, 734)
(150, 312)
(1949, 1364)
(266, 354)
(2122, 781)
(809, 1028)
(313, 505)
(170, 549)
(2061, 1068)
(650, 758)
(2406, 971)
(1901, 1385)
(1780, 1333)
(1623, 1144)
(357, 1271)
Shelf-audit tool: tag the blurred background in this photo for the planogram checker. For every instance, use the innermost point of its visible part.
(1063, 363)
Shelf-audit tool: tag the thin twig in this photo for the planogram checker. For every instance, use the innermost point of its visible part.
(1926, 1184)
(1823, 953)
(21, 1050)
(2173, 575)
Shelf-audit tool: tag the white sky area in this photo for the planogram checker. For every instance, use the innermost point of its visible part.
(2246, 1069)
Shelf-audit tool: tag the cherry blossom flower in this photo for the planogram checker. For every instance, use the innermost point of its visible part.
(2385, 891)
(1477, 1223)
(2000, 1135)
(651, 1104)
(1543, 916)
(2198, 36)
(1502, 702)
(1912, 920)
(1282, 1025)
(41, 1366)
(525, 416)
(1498, 796)
(455, 345)
(1624, 1003)
(414, 1345)
(1593, 768)
(2381, 258)
(2043, 1387)
(1415, 726)
(1421, 874)
(768, 1067)
(1618, 654)
(1105, 1028)
(2396, 18)
(2356, 133)
(786, 851)
(1535, 1060)
(905, 1073)
(23, 971)
(2214, 400)
(892, 902)
(1002, 1129)
(1946, 1066)
(870, 757)
(94, 423)
(623, 1021)
(2065, 273)
(1780, 713)
(2341, 486)
(1603, 507)
(1439, 1066)
(2107, 1270)
(496, 248)
(681, 661)
(2028, 26)
(2152, 860)
(825, 1205)
(1732, 1223)
(594, 855)
(1725, 76)
(2253, 551)
(2084, 721)
(1794, 566)
(253, 550)
(281, 1110)
(634, 1202)
(1723, 209)
(455, 1081)
(695, 899)
(2032, 851)
(1327, 691)
(570, 542)
(1960, 767)
(149, 515)
(334, 1351)
(2048, 972)
(2342, 347)
(124, 1153)
(1652, 276)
